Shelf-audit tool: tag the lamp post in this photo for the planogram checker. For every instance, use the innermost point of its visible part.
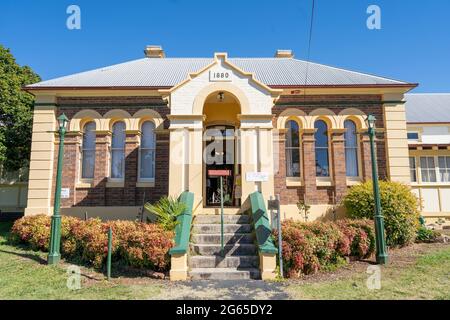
(382, 256)
(55, 233)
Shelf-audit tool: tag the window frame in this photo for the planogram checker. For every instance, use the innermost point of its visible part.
(298, 148)
(413, 132)
(82, 151)
(140, 179)
(447, 167)
(414, 169)
(428, 169)
(324, 179)
(111, 151)
(357, 148)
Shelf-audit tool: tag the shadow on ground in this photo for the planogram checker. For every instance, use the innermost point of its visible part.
(225, 290)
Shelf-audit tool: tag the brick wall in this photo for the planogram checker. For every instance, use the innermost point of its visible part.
(310, 191)
(99, 194)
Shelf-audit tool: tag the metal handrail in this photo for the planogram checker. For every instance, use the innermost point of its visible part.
(221, 216)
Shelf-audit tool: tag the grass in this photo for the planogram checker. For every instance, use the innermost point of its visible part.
(427, 278)
(25, 275)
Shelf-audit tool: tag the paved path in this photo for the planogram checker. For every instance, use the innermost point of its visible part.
(225, 289)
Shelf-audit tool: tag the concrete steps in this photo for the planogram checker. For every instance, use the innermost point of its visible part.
(229, 249)
(228, 228)
(227, 219)
(240, 260)
(224, 274)
(223, 262)
(228, 238)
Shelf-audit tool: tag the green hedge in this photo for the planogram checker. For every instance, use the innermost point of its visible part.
(400, 208)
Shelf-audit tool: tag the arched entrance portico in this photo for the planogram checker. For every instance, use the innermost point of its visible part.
(239, 104)
(220, 150)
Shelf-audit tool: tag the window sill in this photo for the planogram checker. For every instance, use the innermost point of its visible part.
(430, 184)
(293, 182)
(84, 185)
(324, 183)
(354, 182)
(115, 184)
(145, 184)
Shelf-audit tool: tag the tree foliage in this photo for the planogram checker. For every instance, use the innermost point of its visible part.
(16, 115)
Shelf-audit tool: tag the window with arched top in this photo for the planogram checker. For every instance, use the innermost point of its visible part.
(88, 151)
(351, 149)
(118, 151)
(321, 149)
(147, 151)
(292, 149)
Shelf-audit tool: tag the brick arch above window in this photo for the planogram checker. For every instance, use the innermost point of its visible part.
(331, 121)
(330, 118)
(355, 115)
(147, 115)
(82, 117)
(291, 114)
(114, 116)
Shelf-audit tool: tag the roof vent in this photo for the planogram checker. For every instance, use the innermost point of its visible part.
(154, 52)
(284, 54)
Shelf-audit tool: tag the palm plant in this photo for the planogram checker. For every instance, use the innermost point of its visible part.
(166, 210)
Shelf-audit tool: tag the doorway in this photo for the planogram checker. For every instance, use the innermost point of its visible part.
(220, 162)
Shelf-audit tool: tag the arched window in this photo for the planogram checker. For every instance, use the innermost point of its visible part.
(147, 151)
(88, 151)
(118, 151)
(351, 149)
(322, 157)
(292, 148)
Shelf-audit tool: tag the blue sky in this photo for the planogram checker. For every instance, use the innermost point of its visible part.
(413, 44)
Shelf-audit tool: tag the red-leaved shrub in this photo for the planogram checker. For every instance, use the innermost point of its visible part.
(135, 244)
(308, 247)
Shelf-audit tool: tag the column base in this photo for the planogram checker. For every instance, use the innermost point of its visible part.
(268, 266)
(53, 258)
(382, 259)
(178, 269)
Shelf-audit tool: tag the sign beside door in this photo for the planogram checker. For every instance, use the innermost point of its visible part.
(257, 176)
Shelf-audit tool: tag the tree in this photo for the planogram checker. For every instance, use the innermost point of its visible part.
(16, 111)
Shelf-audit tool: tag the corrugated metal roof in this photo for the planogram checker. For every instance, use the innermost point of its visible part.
(167, 72)
(427, 107)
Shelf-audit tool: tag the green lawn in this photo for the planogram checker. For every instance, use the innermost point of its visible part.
(24, 275)
(426, 278)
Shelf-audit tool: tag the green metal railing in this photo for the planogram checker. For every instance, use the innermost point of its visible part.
(183, 228)
(261, 223)
(222, 251)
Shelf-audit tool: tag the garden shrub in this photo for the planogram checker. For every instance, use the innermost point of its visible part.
(399, 208)
(426, 235)
(135, 244)
(166, 210)
(309, 247)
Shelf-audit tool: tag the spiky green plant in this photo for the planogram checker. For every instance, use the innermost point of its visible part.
(166, 210)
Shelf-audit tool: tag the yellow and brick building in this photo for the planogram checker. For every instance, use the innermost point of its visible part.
(143, 129)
